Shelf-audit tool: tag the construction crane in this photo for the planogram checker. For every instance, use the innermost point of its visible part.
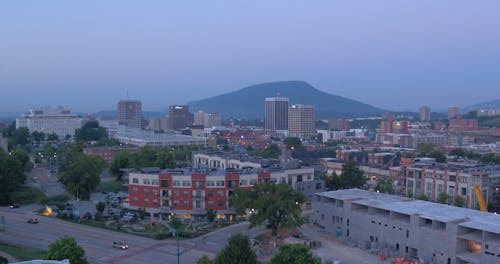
(480, 199)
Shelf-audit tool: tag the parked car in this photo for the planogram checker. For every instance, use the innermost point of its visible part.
(14, 205)
(120, 244)
(33, 220)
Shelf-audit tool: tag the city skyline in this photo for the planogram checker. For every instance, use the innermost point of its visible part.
(396, 56)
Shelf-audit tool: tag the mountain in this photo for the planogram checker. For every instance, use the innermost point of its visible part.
(495, 104)
(249, 101)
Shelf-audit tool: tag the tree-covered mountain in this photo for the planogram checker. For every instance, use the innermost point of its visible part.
(249, 101)
(495, 104)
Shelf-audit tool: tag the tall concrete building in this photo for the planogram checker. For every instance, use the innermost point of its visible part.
(130, 113)
(387, 122)
(453, 112)
(425, 114)
(49, 120)
(301, 121)
(206, 119)
(276, 113)
(179, 117)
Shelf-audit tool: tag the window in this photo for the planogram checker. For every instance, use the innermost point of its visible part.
(220, 193)
(219, 183)
(186, 183)
(210, 194)
(176, 202)
(164, 183)
(155, 192)
(135, 180)
(243, 182)
(145, 181)
(146, 191)
(155, 201)
(220, 203)
(134, 189)
(154, 182)
(186, 203)
(210, 203)
(185, 193)
(407, 235)
(176, 183)
(198, 184)
(176, 193)
(135, 199)
(253, 181)
(146, 200)
(210, 183)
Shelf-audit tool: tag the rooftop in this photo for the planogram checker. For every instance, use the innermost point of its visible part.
(434, 211)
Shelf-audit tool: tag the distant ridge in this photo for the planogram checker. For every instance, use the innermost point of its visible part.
(484, 105)
(249, 101)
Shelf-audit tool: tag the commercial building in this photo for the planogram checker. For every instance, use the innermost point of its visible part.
(425, 114)
(158, 123)
(191, 192)
(395, 226)
(207, 119)
(461, 125)
(301, 121)
(108, 154)
(130, 113)
(139, 137)
(49, 120)
(179, 117)
(276, 117)
(453, 112)
(339, 124)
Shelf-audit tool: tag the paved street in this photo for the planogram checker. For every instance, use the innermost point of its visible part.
(97, 242)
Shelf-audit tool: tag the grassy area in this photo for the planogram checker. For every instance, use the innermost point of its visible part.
(112, 186)
(27, 195)
(20, 253)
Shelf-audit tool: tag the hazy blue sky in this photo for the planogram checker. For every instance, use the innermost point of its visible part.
(397, 54)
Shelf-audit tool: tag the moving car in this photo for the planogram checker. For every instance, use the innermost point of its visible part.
(33, 220)
(120, 244)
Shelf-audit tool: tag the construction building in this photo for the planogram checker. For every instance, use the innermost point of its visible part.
(395, 226)
(130, 113)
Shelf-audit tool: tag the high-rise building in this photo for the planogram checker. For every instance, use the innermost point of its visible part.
(339, 124)
(206, 119)
(425, 114)
(179, 117)
(387, 122)
(276, 113)
(301, 121)
(130, 113)
(49, 120)
(453, 112)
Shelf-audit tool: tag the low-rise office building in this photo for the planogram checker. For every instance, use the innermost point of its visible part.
(396, 226)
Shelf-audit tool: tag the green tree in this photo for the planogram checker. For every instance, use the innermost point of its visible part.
(422, 197)
(442, 198)
(38, 136)
(82, 177)
(295, 254)
(211, 215)
(276, 205)
(100, 206)
(332, 182)
(351, 176)
(458, 201)
(120, 161)
(12, 176)
(66, 248)
(23, 157)
(293, 143)
(3, 260)
(270, 152)
(204, 260)
(385, 186)
(52, 137)
(237, 251)
(91, 131)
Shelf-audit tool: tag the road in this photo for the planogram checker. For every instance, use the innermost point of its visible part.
(97, 242)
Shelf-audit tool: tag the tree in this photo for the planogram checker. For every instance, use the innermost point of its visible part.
(52, 137)
(422, 197)
(442, 198)
(12, 176)
(458, 201)
(237, 251)
(82, 177)
(91, 131)
(211, 215)
(204, 260)
(295, 254)
(66, 248)
(38, 136)
(293, 143)
(385, 186)
(100, 206)
(277, 205)
(332, 182)
(351, 176)
(270, 152)
(120, 161)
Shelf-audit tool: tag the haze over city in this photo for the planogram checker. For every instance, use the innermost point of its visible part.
(390, 54)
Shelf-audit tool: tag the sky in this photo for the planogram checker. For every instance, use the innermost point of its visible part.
(397, 55)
